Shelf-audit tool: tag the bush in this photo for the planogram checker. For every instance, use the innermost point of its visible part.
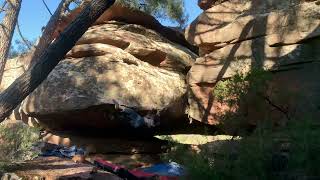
(238, 93)
(290, 152)
(286, 151)
(16, 142)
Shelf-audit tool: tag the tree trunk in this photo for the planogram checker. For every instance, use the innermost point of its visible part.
(6, 31)
(48, 34)
(50, 57)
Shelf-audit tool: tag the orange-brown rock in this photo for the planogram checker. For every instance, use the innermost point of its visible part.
(271, 40)
(236, 21)
(113, 67)
(131, 16)
(205, 4)
(145, 44)
(294, 73)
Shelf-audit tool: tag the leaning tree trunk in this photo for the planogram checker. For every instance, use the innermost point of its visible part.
(48, 34)
(6, 31)
(50, 57)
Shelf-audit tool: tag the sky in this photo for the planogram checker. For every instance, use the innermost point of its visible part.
(33, 16)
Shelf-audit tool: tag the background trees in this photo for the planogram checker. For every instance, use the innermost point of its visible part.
(11, 9)
(164, 9)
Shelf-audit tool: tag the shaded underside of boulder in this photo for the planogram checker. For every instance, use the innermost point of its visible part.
(106, 144)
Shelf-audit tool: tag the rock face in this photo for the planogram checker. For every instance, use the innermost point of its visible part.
(118, 76)
(144, 44)
(280, 38)
(91, 81)
(236, 21)
(129, 15)
(13, 69)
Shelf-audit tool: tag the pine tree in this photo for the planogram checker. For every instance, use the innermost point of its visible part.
(163, 9)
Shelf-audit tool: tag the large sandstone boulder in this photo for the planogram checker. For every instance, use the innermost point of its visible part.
(117, 77)
(89, 81)
(283, 42)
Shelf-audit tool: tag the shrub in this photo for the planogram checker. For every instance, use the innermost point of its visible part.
(290, 151)
(16, 142)
(283, 153)
(238, 93)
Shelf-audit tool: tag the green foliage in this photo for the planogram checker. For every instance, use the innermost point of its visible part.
(171, 9)
(233, 90)
(289, 152)
(305, 148)
(16, 142)
(19, 48)
(239, 92)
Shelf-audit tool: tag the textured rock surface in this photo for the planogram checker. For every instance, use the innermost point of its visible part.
(205, 4)
(114, 70)
(145, 44)
(284, 42)
(114, 78)
(236, 21)
(294, 77)
(120, 13)
(242, 57)
(13, 69)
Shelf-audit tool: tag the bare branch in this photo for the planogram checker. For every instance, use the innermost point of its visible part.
(3, 6)
(45, 4)
(22, 37)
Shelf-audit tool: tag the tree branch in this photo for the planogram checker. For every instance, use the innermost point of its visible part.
(47, 35)
(3, 6)
(22, 37)
(280, 109)
(45, 4)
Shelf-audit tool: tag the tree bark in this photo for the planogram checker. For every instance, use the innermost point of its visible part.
(50, 57)
(48, 34)
(6, 31)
